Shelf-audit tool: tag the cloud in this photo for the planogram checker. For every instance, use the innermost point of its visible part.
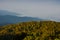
(41, 9)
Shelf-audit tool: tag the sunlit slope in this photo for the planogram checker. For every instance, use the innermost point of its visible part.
(42, 30)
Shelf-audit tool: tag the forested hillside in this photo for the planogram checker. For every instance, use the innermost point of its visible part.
(42, 30)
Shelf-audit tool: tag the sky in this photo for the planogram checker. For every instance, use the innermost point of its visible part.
(46, 9)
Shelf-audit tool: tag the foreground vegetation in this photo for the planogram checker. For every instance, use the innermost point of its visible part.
(42, 30)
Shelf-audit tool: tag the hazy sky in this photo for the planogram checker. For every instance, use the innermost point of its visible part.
(47, 9)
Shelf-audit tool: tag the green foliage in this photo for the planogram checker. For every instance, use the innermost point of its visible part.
(56, 39)
(43, 30)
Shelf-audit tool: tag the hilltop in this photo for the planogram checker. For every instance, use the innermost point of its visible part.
(42, 30)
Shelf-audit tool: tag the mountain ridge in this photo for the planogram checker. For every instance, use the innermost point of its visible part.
(9, 19)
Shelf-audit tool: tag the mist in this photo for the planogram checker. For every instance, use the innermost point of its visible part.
(33, 8)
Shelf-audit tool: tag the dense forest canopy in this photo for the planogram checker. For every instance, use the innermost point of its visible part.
(34, 30)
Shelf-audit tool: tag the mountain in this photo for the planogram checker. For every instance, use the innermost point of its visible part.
(9, 19)
(5, 12)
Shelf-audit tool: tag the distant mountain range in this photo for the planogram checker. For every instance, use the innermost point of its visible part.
(8, 19)
(11, 19)
(5, 12)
